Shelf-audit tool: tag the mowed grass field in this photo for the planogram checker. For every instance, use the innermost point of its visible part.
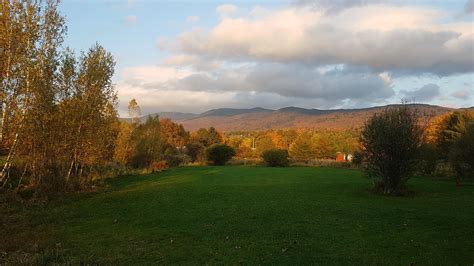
(254, 215)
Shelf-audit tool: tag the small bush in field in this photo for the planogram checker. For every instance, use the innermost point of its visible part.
(276, 157)
(158, 166)
(219, 154)
(390, 143)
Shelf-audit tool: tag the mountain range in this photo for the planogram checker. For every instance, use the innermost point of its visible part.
(229, 119)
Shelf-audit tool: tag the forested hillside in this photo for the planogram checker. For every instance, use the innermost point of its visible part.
(227, 119)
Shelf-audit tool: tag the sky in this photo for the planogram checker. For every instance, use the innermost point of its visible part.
(192, 56)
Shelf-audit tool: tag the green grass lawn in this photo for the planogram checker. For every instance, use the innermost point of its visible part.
(256, 215)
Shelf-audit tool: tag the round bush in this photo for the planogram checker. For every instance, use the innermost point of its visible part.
(276, 157)
(219, 154)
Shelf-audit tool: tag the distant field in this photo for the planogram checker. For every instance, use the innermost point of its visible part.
(248, 215)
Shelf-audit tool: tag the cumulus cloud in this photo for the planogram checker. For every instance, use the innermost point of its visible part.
(130, 19)
(280, 83)
(335, 6)
(297, 81)
(385, 38)
(426, 93)
(155, 90)
(192, 61)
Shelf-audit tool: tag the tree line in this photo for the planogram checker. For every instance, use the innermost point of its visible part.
(58, 109)
(301, 144)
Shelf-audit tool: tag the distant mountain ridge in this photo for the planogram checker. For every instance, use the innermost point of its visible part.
(227, 119)
(232, 111)
(170, 115)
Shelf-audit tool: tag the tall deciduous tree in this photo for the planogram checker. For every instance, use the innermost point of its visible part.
(58, 112)
(134, 111)
(174, 134)
(95, 116)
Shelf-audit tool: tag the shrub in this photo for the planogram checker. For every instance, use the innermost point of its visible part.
(174, 157)
(219, 154)
(390, 142)
(196, 151)
(276, 157)
(158, 166)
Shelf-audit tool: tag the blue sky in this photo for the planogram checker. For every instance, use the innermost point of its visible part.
(135, 43)
(195, 55)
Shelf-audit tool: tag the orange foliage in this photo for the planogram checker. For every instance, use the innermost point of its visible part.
(173, 133)
(435, 127)
(158, 166)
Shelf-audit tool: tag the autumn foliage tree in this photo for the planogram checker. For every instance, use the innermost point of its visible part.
(58, 110)
(446, 129)
(174, 134)
(449, 138)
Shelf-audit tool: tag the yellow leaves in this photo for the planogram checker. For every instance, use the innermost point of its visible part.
(435, 127)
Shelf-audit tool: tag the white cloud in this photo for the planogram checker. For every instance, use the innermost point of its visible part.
(160, 87)
(383, 37)
(139, 76)
(192, 61)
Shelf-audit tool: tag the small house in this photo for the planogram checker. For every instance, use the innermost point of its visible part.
(344, 157)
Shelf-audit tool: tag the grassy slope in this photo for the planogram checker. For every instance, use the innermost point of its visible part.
(262, 215)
